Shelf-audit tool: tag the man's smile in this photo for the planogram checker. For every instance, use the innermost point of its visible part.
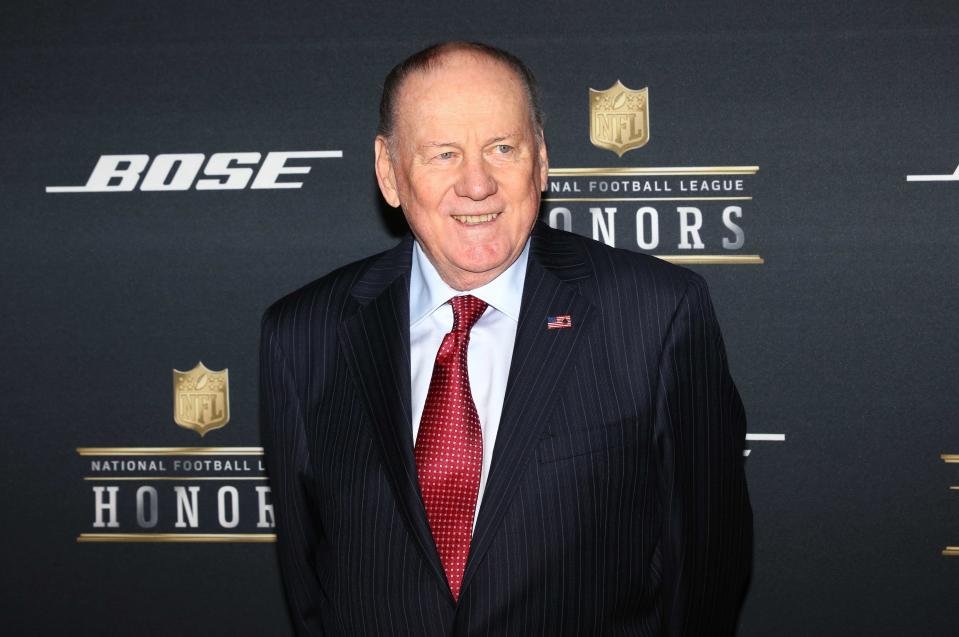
(475, 219)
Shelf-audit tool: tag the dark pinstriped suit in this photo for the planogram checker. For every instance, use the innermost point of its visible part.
(616, 501)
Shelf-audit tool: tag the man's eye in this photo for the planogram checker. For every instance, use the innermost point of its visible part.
(445, 156)
(503, 148)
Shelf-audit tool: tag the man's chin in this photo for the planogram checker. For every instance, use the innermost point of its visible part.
(493, 269)
(485, 262)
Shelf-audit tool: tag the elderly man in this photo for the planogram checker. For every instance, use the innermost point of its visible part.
(497, 428)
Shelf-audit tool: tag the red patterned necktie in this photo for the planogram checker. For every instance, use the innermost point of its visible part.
(449, 445)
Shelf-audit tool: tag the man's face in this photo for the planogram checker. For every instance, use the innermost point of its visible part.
(465, 166)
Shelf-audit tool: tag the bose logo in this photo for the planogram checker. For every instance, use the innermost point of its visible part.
(226, 171)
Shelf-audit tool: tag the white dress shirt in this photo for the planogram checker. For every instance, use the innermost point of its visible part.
(490, 348)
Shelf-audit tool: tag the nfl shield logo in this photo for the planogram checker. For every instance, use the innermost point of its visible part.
(619, 118)
(201, 398)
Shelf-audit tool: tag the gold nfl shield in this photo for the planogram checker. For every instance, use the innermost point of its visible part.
(201, 398)
(619, 118)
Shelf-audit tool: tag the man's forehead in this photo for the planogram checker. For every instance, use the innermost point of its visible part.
(464, 91)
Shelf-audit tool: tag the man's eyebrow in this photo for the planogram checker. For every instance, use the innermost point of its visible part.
(503, 138)
(493, 140)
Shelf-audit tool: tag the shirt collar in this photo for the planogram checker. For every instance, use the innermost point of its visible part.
(428, 291)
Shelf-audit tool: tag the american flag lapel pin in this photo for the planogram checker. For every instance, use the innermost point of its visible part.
(559, 322)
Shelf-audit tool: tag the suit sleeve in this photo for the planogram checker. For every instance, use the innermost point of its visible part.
(286, 451)
(706, 545)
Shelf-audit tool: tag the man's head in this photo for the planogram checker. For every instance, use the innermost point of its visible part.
(461, 149)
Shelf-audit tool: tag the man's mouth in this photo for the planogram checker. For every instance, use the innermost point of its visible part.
(474, 219)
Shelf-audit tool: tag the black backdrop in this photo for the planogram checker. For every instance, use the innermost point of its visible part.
(842, 340)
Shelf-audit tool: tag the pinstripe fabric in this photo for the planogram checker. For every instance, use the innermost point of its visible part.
(616, 501)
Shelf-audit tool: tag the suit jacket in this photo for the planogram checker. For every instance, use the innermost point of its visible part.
(616, 502)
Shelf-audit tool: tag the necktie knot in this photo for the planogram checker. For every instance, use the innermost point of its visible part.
(466, 311)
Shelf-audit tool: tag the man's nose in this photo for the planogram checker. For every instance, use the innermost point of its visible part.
(475, 180)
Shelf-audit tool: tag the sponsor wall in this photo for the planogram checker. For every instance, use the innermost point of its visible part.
(169, 170)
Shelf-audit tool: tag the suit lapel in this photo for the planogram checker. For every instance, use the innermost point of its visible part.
(376, 341)
(540, 359)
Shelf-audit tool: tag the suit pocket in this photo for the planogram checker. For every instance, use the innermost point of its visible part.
(571, 444)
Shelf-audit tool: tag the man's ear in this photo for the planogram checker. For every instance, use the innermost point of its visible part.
(543, 162)
(383, 164)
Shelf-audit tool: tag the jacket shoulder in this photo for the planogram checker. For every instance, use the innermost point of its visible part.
(331, 295)
(613, 268)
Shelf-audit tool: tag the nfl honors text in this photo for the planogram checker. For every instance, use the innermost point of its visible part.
(697, 211)
(181, 494)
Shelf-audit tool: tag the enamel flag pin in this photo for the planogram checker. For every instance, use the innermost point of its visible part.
(558, 322)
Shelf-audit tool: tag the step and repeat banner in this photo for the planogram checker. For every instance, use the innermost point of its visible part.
(168, 170)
